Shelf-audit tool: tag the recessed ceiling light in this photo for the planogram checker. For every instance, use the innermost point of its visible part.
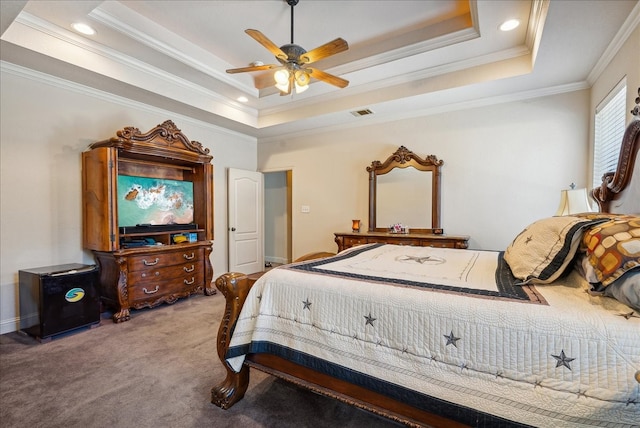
(243, 99)
(509, 25)
(83, 28)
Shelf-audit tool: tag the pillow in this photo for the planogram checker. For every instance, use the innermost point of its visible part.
(542, 251)
(625, 289)
(584, 267)
(613, 247)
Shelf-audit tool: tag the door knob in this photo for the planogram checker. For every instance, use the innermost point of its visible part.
(233, 229)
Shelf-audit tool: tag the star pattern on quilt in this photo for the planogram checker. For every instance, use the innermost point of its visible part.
(369, 319)
(562, 360)
(629, 315)
(451, 339)
(423, 260)
(259, 297)
(529, 239)
(307, 304)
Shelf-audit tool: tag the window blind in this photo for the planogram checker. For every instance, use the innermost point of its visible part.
(609, 129)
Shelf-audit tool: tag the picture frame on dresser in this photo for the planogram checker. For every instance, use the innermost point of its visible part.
(144, 265)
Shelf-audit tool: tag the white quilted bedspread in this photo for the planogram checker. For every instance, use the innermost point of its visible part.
(560, 358)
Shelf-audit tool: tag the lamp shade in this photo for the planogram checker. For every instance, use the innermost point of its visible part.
(573, 201)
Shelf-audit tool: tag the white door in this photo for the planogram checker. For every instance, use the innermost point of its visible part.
(245, 221)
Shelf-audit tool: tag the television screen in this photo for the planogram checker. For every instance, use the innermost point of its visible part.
(155, 201)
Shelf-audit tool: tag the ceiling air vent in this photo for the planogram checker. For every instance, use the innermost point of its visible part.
(363, 112)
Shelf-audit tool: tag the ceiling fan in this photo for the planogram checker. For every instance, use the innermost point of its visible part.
(293, 70)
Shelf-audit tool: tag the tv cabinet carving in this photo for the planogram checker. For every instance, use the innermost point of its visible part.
(140, 265)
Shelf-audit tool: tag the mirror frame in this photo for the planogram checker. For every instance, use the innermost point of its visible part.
(404, 158)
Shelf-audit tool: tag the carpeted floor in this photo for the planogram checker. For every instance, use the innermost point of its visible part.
(153, 371)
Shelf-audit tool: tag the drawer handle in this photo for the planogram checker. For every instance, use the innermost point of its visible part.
(190, 282)
(189, 257)
(151, 292)
(144, 275)
(146, 263)
(186, 269)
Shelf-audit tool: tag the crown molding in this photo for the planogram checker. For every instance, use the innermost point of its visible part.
(131, 64)
(112, 15)
(444, 108)
(629, 26)
(36, 76)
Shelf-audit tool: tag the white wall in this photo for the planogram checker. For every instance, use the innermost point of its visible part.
(46, 124)
(504, 167)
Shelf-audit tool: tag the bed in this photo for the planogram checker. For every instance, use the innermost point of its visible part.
(545, 333)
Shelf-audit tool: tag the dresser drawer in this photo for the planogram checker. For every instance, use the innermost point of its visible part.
(397, 241)
(167, 281)
(353, 241)
(164, 273)
(438, 243)
(146, 261)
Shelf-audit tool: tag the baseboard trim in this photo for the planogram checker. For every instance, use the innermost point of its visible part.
(279, 260)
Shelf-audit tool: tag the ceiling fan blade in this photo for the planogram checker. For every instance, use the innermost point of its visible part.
(328, 78)
(333, 47)
(252, 68)
(264, 41)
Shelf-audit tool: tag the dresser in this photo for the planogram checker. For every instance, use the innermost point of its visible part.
(146, 277)
(148, 217)
(350, 239)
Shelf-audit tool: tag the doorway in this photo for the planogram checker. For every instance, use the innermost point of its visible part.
(278, 223)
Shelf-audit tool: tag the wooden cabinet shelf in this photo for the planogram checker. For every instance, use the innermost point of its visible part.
(138, 267)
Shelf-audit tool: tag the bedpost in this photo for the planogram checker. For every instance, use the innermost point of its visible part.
(613, 183)
(234, 287)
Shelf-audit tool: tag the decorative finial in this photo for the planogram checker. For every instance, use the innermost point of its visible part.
(572, 185)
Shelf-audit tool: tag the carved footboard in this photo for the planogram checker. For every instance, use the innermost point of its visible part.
(235, 288)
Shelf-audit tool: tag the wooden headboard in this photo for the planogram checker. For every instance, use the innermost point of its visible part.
(620, 190)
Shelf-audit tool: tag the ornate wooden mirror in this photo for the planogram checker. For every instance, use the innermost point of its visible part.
(405, 189)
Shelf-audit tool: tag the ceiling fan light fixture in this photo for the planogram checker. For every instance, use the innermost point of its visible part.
(300, 89)
(283, 87)
(281, 77)
(291, 73)
(302, 78)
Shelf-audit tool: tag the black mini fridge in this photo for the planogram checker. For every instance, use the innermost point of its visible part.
(57, 299)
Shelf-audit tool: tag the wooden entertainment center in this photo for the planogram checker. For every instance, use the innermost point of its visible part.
(145, 265)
